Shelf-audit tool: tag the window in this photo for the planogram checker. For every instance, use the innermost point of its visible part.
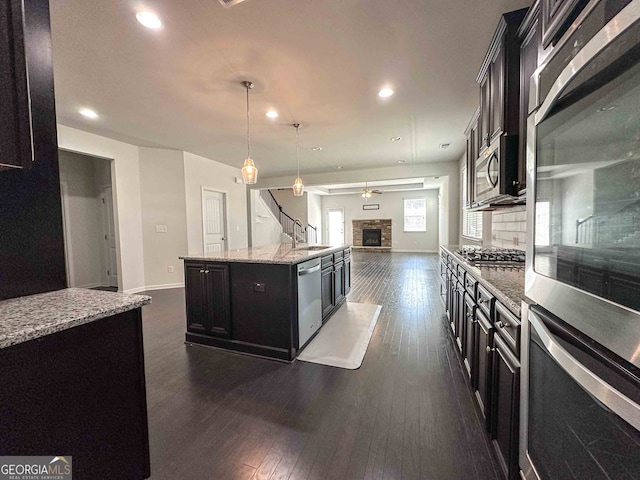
(471, 221)
(415, 214)
(543, 224)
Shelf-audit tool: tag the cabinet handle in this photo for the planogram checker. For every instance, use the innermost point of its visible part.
(201, 271)
(516, 183)
(489, 349)
(500, 324)
(206, 271)
(480, 301)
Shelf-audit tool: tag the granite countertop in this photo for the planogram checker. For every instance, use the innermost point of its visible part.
(282, 254)
(34, 316)
(507, 284)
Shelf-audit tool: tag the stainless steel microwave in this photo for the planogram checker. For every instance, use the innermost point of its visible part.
(583, 179)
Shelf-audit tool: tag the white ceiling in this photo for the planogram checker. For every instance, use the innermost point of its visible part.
(391, 185)
(319, 63)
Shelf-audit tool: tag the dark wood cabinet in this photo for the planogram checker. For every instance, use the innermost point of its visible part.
(327, 291)
(335, 281)
(347, 275)
(338, 282)
(473, 148)
(208, 299)
(484, 121)
(469, 353)
(529, 37)
(505, 401)
(557, 16)
(33, 253)
(496, 75)
(484, 347)
(16, 39)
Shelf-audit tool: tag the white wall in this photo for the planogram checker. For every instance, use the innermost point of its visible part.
(126, 192)
(391, 206)
(266, 228)
(83, 219)
(162, 193)
(577, 203)
(201, 172)
(314, 213)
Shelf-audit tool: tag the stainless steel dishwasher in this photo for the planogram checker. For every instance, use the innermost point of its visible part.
(309, 300)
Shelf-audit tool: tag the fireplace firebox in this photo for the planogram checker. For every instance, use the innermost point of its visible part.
(371, 237)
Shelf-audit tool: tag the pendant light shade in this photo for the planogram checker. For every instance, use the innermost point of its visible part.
(298, 186)
(249, 170)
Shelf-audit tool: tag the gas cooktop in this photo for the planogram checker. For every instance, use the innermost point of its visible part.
(492, 256)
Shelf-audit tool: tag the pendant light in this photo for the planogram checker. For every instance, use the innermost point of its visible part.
(298, 187)
(249, 170)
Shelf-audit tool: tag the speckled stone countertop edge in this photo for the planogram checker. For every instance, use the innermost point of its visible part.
(513, 302)
(28, 318)
(299, 256)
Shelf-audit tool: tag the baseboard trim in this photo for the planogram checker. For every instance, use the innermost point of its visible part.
(90, 285)
(146, 288)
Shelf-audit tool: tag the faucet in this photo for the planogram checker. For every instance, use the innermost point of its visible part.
(293, 234)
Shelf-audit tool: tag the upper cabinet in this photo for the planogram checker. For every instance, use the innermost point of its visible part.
(499, 74)
(25, 68)
(557, 15)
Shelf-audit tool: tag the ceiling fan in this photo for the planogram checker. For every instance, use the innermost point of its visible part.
(367, 192)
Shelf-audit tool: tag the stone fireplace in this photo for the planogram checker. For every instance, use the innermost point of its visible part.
(372, 234)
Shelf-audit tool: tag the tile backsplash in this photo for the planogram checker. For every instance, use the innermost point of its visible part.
(509, 227)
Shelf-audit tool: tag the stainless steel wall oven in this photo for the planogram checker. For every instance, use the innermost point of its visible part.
(583, 252)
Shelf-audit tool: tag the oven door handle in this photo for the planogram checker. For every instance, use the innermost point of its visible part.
(611, 398)
(607, 35)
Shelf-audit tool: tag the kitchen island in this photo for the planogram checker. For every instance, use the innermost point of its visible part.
(73, 381)
(246, 300)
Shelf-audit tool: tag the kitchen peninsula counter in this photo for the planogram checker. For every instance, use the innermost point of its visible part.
(34, 316)
(73, 381)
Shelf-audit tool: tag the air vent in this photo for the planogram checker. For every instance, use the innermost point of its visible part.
(230, 3)
(444, 146)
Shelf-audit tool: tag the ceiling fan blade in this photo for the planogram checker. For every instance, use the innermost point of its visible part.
(379, 192)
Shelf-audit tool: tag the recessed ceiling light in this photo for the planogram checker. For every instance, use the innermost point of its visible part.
(316, 149)
(444, 146)
(436, 178)
(87, 112)
(272, 114)
(402, 161)
(340, 167)
(385, 92)
(396, 139)
(149, 20)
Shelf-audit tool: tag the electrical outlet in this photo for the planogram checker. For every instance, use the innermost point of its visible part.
(161, 229)
(170, 269)
(259, 287)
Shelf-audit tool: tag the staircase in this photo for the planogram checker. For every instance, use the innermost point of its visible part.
(290, 226)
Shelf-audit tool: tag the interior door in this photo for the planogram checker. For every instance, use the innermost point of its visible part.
(213, 221)
(335, 226)
(108, 222)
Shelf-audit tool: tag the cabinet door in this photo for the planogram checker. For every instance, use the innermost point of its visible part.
(484, 347)
(460, 323)
(195, 292)
(468, 344)
(218, 296)
(484, 122)
(347, 275)
(528, 65)
(327, 291)
(496, 116)
(16, 149)
(338, 283)
(504, 407)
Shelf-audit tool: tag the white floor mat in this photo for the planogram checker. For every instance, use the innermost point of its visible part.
(344, 339)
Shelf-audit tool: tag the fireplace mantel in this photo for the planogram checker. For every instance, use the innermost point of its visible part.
(384, 225)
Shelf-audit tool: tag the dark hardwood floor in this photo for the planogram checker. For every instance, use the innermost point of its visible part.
(407, 413)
